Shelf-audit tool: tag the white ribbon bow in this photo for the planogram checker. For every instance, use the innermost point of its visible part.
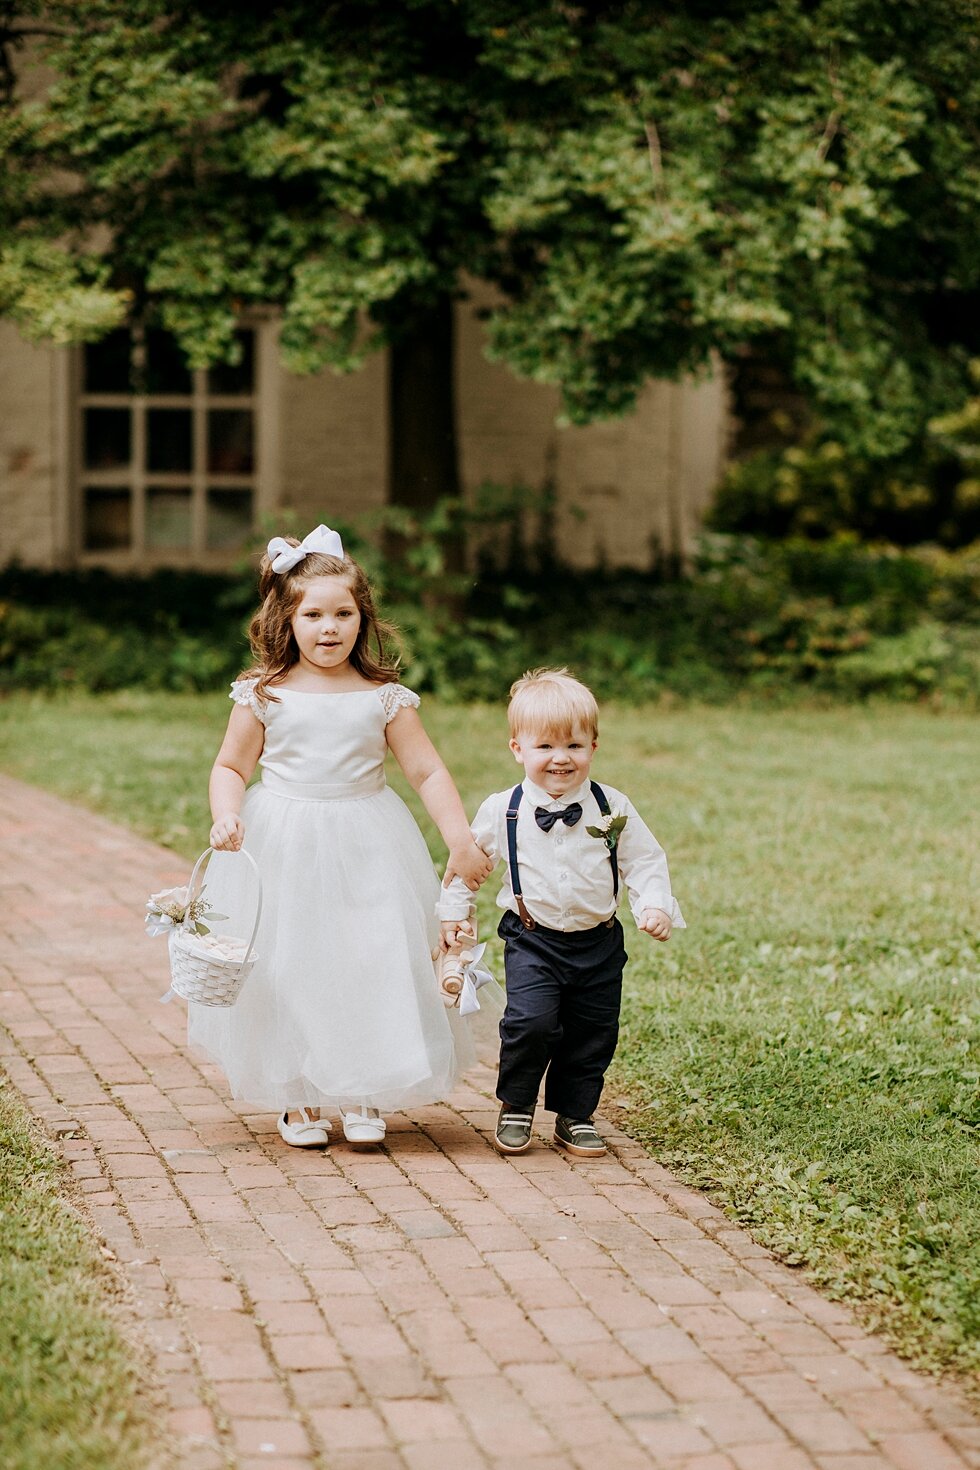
(322, 540)
(474, 976)
(158, 924)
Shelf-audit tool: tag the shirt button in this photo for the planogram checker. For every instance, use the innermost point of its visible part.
(559, 840)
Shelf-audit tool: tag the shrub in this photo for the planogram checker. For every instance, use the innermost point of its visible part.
(836, 616)
(954, 590)
(49, 648)
(842, 616)
(959, 434)
(905, 666)
(817, 489)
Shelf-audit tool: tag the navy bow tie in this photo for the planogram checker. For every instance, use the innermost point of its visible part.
(546, 820)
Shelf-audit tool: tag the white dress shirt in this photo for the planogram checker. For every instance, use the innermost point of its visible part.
(566, 875)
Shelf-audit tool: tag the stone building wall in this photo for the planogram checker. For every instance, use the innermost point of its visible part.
(333, 436)
(625, 491)
(33, 524)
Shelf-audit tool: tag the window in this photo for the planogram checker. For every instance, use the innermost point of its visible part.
(167, 457)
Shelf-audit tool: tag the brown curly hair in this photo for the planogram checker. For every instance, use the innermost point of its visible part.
(270, 631)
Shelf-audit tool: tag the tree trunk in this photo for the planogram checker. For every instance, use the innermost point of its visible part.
(423, 459)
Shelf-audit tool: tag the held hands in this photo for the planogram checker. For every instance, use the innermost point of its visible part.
(228, 833)
(655, 923)
(470, 863)
(454, 934)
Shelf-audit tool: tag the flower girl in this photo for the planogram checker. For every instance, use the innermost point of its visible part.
(342, 1010)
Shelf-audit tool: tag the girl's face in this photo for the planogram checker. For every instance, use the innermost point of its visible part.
(326, 623)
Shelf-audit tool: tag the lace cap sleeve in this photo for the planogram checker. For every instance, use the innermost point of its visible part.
(243, 692)
(395, 697)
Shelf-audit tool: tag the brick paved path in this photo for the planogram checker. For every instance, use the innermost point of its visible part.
(432, 1306)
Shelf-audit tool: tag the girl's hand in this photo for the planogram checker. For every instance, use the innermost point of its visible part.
(228, 833)
(655, 923)
(470, 863)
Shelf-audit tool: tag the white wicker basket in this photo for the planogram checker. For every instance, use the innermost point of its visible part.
(208, 969)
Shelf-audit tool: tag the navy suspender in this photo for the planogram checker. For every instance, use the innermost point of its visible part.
(513, 807)
(600, 797)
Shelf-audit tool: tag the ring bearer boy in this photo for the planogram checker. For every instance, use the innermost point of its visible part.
(569, 845)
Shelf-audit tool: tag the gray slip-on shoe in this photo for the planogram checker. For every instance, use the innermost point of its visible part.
(513, 1132)
(579, 1136)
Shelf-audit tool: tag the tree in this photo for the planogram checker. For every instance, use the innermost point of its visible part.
(645, 185)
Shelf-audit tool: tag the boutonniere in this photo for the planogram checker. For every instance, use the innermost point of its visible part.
(609, 828)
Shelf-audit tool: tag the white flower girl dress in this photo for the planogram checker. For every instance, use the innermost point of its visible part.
(342, 1009)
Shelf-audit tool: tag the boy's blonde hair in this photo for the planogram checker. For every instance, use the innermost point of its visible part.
(551, 702)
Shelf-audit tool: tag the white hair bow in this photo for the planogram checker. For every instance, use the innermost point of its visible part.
(322, 540)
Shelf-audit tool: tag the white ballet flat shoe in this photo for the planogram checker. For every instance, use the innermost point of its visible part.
(309, 1132)
(364, 1127)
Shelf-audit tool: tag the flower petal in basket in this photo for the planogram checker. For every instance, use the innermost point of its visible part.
(217, 947)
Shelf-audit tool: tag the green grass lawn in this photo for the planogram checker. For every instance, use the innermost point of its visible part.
(808, 1050)
(68, 1386)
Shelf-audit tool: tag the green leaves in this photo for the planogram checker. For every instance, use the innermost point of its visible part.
(646, 189)
(322, 321)
(54, 296)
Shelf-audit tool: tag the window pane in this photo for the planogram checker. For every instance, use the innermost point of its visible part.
(168, 440)
(108, 519)
(107, 364)
(230, 441)
(223, 378)
(229, 519)
(107, 438)
(168, 517)
(166, 366)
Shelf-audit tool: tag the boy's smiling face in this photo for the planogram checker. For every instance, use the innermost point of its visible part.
(557, 761)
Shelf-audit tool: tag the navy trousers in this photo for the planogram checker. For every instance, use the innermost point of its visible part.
(562, 1016)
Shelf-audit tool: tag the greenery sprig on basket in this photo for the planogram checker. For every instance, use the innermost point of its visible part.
(169, 909)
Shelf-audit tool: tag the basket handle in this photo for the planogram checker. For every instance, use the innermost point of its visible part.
(202, 862)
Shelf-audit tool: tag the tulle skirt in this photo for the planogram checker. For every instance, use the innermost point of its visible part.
(342, 1008)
